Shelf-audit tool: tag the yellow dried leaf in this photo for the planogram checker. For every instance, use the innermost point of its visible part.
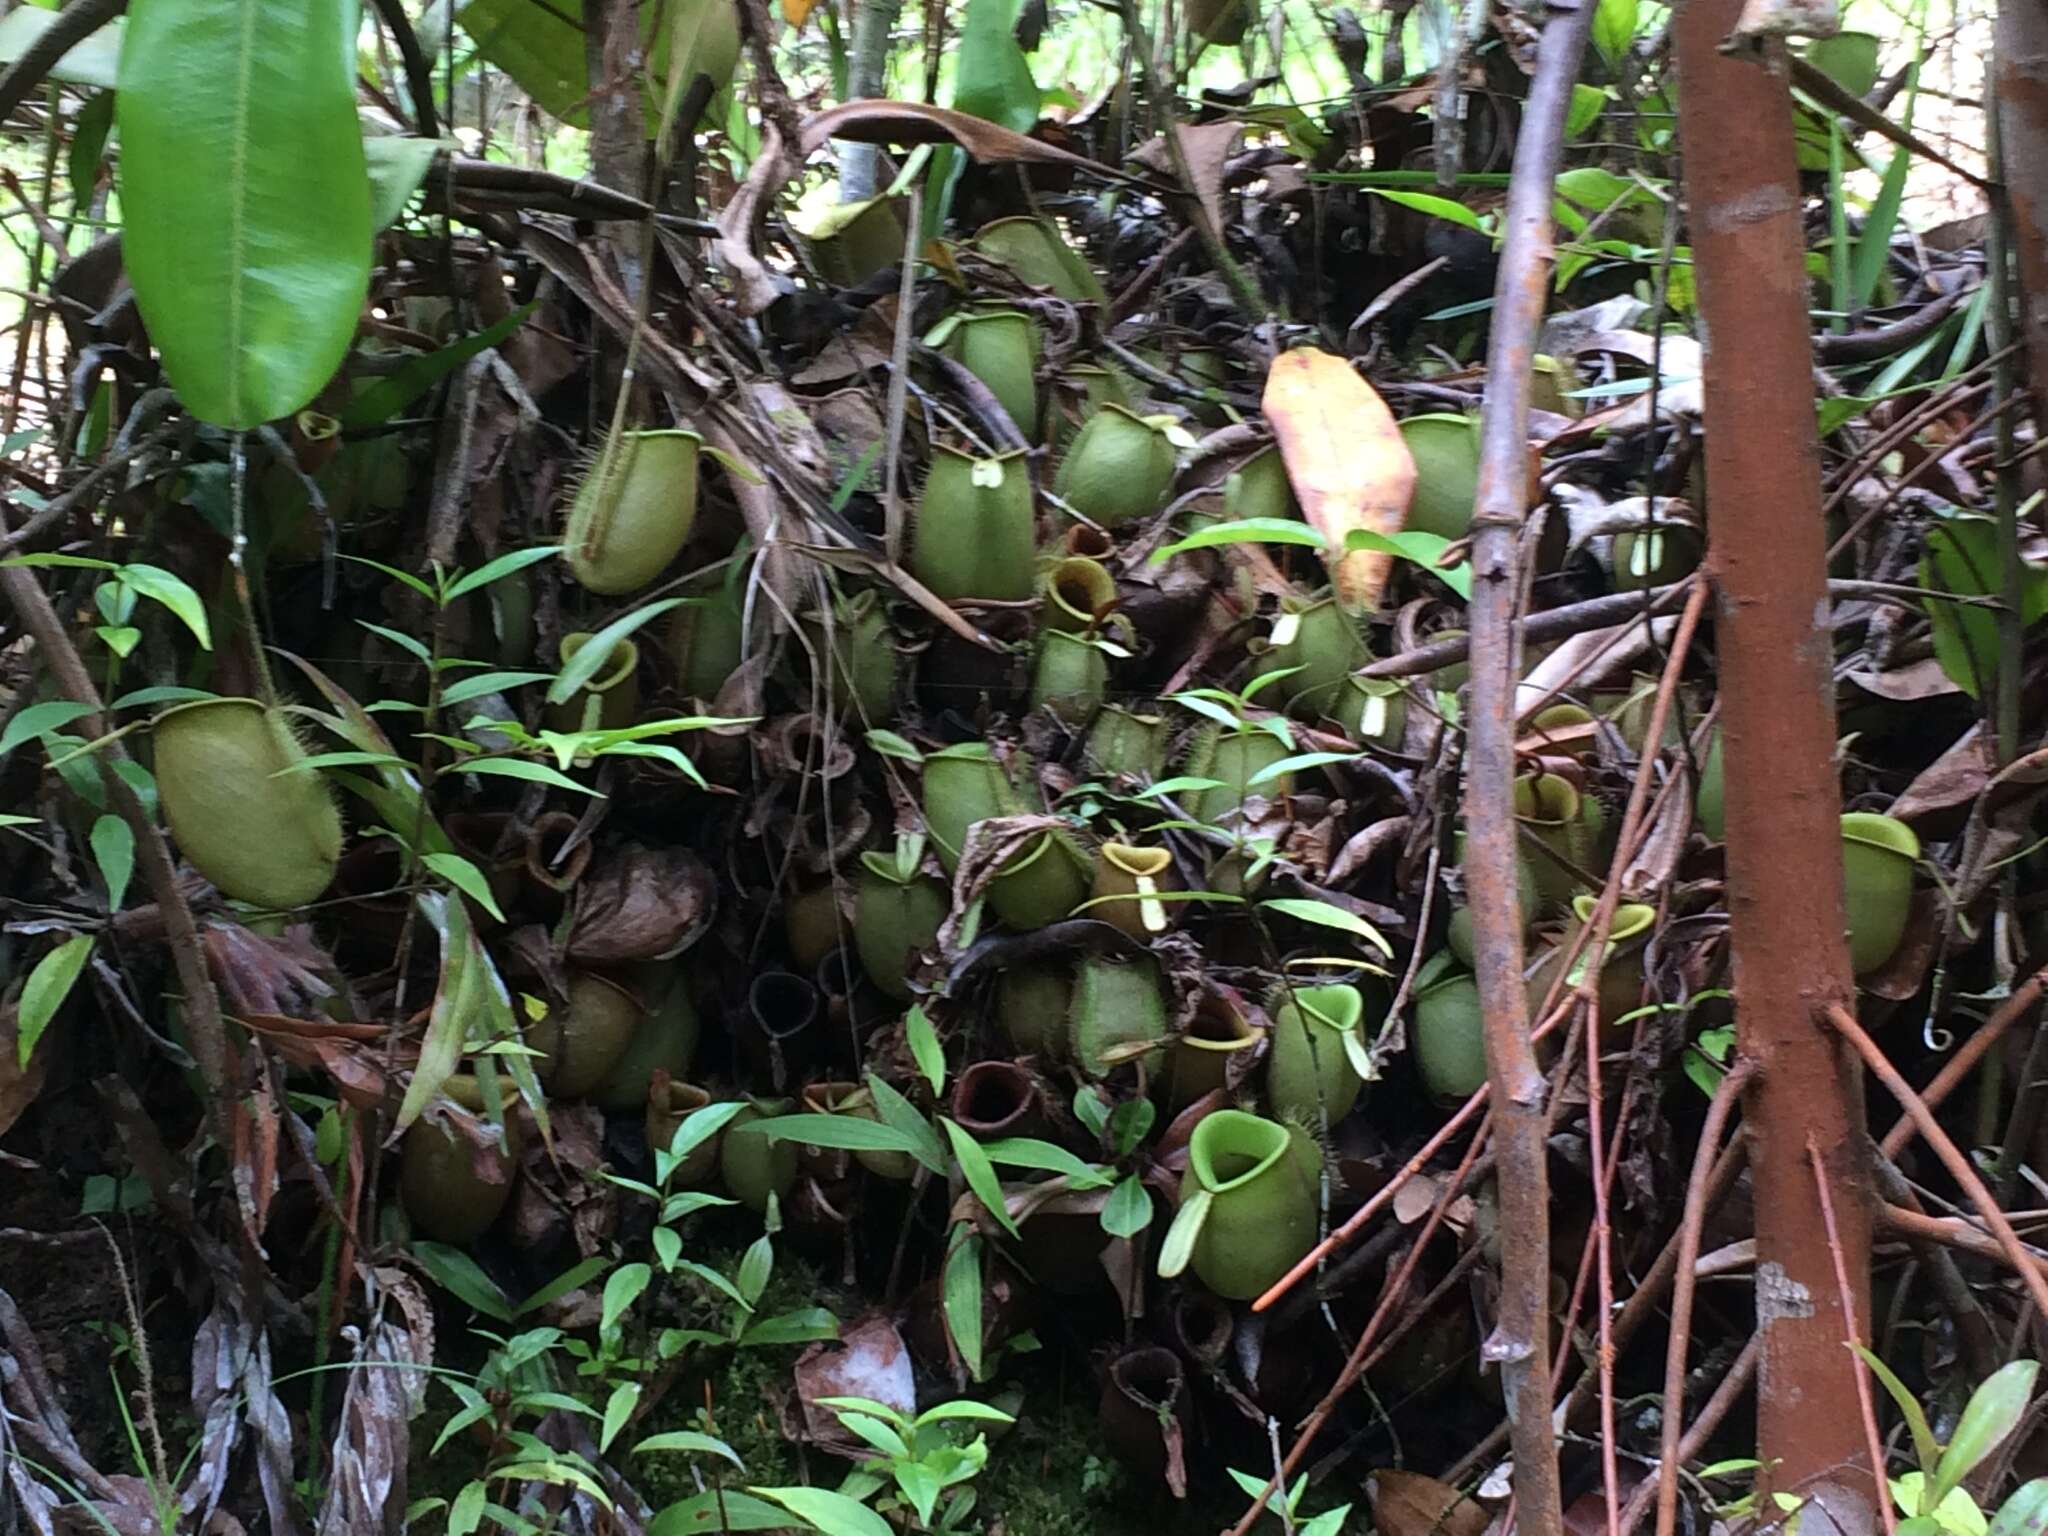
(797, 12)
(1347, 460)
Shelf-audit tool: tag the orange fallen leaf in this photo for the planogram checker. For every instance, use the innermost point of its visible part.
(1348, 462)
(797, 12)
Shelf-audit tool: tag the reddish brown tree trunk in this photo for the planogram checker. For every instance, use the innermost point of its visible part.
(1768, 552)
(2022, 83)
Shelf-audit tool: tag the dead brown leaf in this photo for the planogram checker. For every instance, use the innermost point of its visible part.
(1206, 148)
(1409, 1504)
(1347, 460)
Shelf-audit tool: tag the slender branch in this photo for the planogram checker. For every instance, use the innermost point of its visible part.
(1844, 1024)
(73, 25)
(1683, 1281)
(1852, 1333)
(1520, 1339)
(419, 71)
(1702, 1429)
(1964, 1062)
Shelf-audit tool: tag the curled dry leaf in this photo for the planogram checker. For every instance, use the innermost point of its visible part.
(644, 904)
(1348, 462)
(1206, 149)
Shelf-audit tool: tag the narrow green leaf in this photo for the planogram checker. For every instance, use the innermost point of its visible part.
(458, 1000)
(757, 1265)
(113, 849)
(842, 1133)
(1926, 1449)
(964, 1408)
(804, 1325)
(1993, 1412)
(488, 682)
(1181, 1237)
(388, 396)
(162, 586)
(902, 1114)
(457, 1273)
(45, 990)
(889, 744)
(962, 1293)
(404, 578)
(398, 637)
(717, 1509)
(1327, 915)
(979, 1173)
(1436, 207)
(1029, 1152)
(246, 109)
(597, 650)
(520, 768)
(1249, 530)
(519, 559)
(925, 1048)
(690, 1443)
(1425, 549)
(1299, 763)
(167, 694)
(567, 1281)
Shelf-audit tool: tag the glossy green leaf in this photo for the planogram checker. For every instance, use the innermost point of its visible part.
(1993, 1412)
(466, 878)
(47, 987)
(621, 1290)
(462, 691)
(39, 720)
(244, 197)
(576, 1274)
(113, 849)
(833, 1513)
(1129, 1210)
(1614, 28)
(88, 144)
(716, 1510)
(1248, 530)
(1422, 547)
(899, 1112)
(1588, 102)
(617, 1409)
(1179, 1248)
(804, 1325)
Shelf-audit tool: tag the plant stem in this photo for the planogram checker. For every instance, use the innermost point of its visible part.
(1520, 1339)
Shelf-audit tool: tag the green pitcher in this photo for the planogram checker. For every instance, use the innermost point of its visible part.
(1878, 854)
(1248, 1204)
(1318, 1047)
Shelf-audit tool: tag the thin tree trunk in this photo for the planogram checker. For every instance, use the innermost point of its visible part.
(1768, 556)
(867, 74)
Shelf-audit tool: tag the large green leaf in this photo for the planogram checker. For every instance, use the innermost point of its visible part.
(539, 46)
(992, 78)
(245, 200)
